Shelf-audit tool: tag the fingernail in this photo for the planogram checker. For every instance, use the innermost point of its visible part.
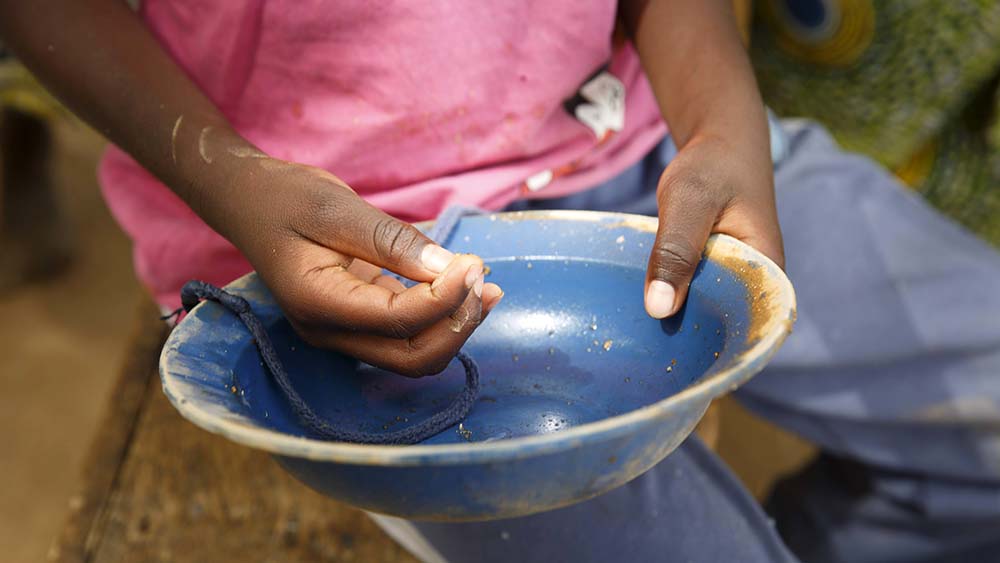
(495, 301)
(478, 287)
(660, 299)
(475, 272)
(435, 258)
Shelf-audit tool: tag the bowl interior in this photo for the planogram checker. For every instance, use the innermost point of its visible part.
(570, 344)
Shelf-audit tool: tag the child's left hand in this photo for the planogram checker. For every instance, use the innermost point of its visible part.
(722, 179)
(709, 187)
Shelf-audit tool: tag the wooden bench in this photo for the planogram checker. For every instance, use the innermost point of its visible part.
(156, 488)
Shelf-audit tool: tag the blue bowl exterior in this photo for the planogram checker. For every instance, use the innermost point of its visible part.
(506, 478)
(515, 487)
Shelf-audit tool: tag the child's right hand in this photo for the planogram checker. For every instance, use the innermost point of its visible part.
(317, 245)
(320, 248)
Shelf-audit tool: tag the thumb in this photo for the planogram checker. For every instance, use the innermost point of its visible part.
(684, 227)
(376, 237)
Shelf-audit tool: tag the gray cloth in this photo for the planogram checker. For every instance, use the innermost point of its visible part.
(893, 370)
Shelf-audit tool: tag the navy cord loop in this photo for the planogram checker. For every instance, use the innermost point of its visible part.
(195, 291)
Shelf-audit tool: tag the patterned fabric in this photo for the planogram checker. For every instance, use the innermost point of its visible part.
(911, 83)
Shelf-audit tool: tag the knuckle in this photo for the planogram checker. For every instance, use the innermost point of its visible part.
(423, 360)
(675, 257)
(394, 240)
(398, 323)
(398, 328)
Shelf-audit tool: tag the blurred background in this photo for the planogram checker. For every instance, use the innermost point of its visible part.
(67, 295)
(895, 83)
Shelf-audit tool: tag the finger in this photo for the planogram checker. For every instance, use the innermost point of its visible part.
(492, 294)
(364, 270)
(687, 215)
(390, 283)
(426, 353)
(333, 298)
(363, 231)
(373, 274)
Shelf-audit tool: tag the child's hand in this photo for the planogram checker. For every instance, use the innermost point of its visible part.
(311, 238)
(721, 180)
(710, 187)
(320, 248)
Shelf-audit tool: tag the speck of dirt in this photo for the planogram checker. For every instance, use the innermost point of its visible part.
(607, 345)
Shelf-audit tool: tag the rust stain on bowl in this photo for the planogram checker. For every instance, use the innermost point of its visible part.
(762, 309)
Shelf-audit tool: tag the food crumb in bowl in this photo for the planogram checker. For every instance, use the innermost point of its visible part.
(607, 345)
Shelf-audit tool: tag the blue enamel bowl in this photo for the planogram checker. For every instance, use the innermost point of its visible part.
(581, 391)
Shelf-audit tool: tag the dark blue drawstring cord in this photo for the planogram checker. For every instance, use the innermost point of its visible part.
(195, 291)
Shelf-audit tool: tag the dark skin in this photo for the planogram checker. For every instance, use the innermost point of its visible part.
(721, 180)
(320, 247)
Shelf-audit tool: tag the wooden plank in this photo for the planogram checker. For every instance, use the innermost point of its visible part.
(110, 445)
(187, 495)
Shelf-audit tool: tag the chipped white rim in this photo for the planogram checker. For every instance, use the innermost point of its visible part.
(776, 328)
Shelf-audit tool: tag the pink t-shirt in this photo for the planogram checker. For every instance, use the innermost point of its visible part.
(417, 105)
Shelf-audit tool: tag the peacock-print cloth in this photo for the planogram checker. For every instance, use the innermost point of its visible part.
(910, 83)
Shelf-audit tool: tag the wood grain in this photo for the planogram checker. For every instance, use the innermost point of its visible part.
(111, 443)
(180, 494)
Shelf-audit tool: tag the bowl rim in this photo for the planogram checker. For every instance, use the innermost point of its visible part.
(775, 329)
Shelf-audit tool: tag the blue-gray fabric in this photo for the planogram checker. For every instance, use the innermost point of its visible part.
(689, 508)
(893, 370)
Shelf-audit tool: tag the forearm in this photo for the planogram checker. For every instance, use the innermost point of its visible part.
(694, 57)
(99, 59)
